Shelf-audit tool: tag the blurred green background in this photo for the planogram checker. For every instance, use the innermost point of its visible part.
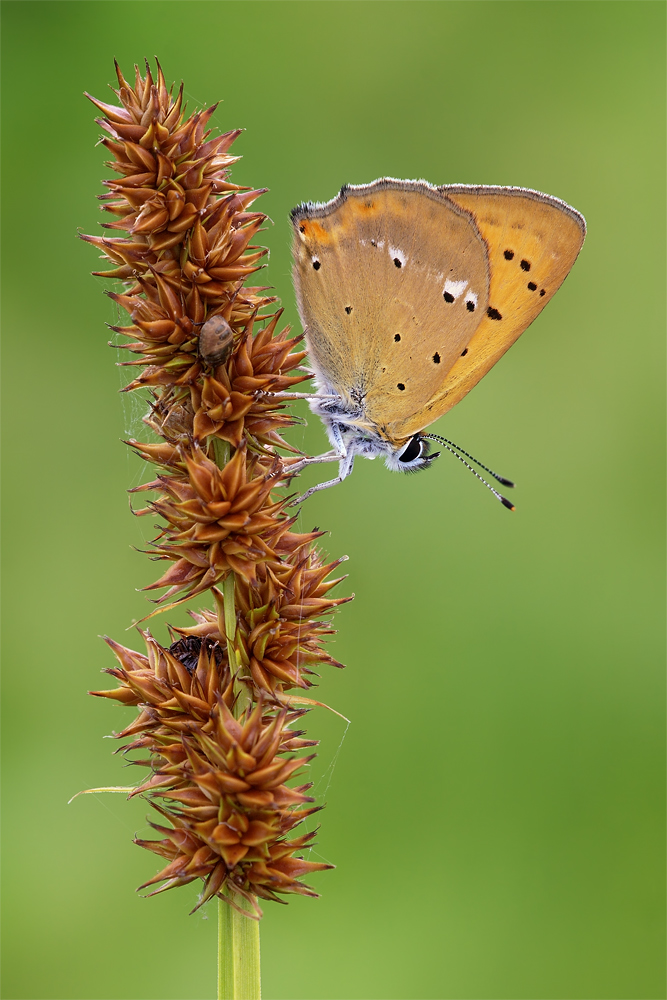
(496, 808)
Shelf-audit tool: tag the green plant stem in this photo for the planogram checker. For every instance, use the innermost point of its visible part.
(221, 452)
(230, 622)
(238, 955)
(238, 936)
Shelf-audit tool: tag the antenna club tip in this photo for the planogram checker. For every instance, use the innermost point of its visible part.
(506, 482)
(507, 503)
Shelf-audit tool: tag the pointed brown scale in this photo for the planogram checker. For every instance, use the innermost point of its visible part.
(116, 149)
(241, 239)
(242, 761)
(273, 747)
(176, 672)
(161, 454)
(194, 706)
(200, 861)
(185, 220)
(214, 750)
(164, 849)
(211, 783)
(213, 885)
(154, 784)
(258, 833)
(124, 695)
(177, 865)
(164, 241)
(142, 157)
(233, 730)
(252, 727)
(151, 222)
(114, 113)
(123, 131)
(187, 796)
(225, 834)
(198, 198)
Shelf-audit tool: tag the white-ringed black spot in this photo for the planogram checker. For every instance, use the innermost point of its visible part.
(373, 243)
(525, 265)
(508, 254)
(436, 358)
(493, 313)
(348, 309)
(397, 337)
(470, 306)
(464, 352)
(542, 292)
(397, 262)
(448, 297)
(400, 386)
(316, 265)
(532, 286)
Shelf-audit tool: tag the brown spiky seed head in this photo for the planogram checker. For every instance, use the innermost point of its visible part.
(215, 709)
(220, 781)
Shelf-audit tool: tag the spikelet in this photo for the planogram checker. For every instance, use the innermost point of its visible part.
(215, 721)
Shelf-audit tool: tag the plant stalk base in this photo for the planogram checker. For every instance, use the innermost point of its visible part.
(238, 955)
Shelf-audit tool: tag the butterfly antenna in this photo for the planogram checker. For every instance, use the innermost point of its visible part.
(448, 446)
(445, 441)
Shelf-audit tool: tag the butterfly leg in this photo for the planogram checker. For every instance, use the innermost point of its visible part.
(336, 438)
(344, 471)
(338, 453)
(328, 456)
(305, 395)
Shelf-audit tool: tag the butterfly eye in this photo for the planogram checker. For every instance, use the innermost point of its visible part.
(412, 450)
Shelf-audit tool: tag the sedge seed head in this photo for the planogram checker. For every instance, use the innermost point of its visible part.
(214, 724)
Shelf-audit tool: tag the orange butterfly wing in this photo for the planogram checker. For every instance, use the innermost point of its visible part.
(533, 240)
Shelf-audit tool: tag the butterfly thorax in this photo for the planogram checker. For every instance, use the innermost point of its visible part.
(347, 425)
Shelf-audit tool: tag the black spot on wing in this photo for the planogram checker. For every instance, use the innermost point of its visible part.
(400, 386)
(397, 337)
(532, 286)
(448, 297)
(525, 265)
(493, 313)
(348, 309)
(316, 265)
(464, 352)
(508, 255)
(470, 305)
(436, 358)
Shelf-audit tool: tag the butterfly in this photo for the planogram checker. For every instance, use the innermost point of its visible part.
(408, 295)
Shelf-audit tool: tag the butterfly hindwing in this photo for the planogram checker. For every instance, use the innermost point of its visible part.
(533, 240)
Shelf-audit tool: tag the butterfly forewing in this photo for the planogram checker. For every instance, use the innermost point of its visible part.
(392, 279)
(533, 240)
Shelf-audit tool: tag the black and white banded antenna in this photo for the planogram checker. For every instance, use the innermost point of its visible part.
(454, 449)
